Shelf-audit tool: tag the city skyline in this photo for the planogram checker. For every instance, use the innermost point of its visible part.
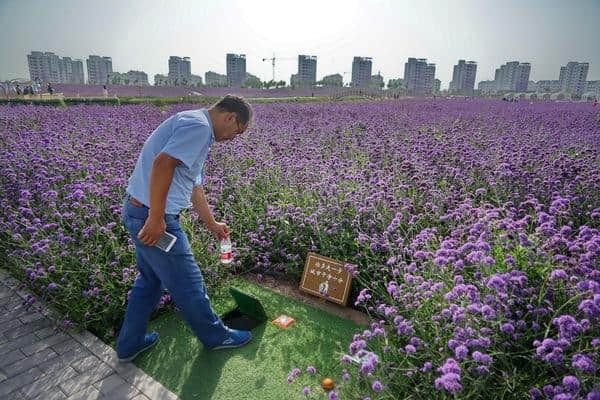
(462, 72)
(335, 48)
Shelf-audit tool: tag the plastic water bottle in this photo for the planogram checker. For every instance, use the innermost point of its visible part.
(226, 254)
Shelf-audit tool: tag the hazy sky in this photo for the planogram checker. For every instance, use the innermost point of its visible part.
(142, 34)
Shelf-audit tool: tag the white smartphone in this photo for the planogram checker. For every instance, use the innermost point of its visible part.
(166, 241)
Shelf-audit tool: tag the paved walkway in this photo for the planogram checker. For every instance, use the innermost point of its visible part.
(40, 362)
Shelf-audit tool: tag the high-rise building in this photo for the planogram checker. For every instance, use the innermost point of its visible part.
(361, 71)
(573, 77)
(180, 71)
(48, 67)
(98, 69)
(236, 69)
(463, 77)
(513, 76)
(523, 72)
(71, 71)
(307, 70)
(43, 66)
(419, 76)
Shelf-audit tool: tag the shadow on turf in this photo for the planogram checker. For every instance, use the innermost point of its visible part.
(199, 371)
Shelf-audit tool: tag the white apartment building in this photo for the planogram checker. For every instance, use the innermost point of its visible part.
(463, 77)
(307, 70)
(361, 71)
(48, 67)
(43, 66)
(180, 71)
(513, 76)
(71, 71)
(573, 77)
(236, 69)
(98, 69)
(419, 76)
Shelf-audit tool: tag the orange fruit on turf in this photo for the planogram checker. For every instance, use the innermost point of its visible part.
(327, 384)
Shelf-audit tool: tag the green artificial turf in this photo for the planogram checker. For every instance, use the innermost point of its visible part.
(258, 370)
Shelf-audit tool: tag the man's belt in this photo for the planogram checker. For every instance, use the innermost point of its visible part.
(136, 202)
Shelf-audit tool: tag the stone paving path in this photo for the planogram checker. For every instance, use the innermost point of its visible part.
(40, 362)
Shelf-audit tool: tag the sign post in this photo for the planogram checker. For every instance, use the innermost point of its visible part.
(326, 278)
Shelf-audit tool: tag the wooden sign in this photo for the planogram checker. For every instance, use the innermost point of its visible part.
(326, 278)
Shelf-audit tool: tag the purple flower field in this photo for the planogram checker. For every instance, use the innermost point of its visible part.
(472, 229)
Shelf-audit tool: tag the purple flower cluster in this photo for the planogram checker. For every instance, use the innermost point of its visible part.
(450, 379)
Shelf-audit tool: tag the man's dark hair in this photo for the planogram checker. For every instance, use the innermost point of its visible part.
(237, 105)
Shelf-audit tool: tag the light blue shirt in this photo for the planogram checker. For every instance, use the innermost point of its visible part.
(186, 136)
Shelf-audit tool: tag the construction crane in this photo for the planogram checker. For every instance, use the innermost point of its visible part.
(272, 59)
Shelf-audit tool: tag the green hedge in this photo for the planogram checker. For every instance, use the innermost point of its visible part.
(165, 101)
(105, 101)
(34, 102)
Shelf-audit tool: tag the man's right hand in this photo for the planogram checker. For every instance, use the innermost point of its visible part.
(219, 229)
(151, 231)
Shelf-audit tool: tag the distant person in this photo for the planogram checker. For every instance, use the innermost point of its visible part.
(167, 179)
(18, 90)
(104, 91)
(50, 88)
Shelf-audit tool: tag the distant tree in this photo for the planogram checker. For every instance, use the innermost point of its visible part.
(395, 84)
(253, 83)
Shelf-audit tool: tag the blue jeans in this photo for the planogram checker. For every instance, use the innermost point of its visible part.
(178, 272)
